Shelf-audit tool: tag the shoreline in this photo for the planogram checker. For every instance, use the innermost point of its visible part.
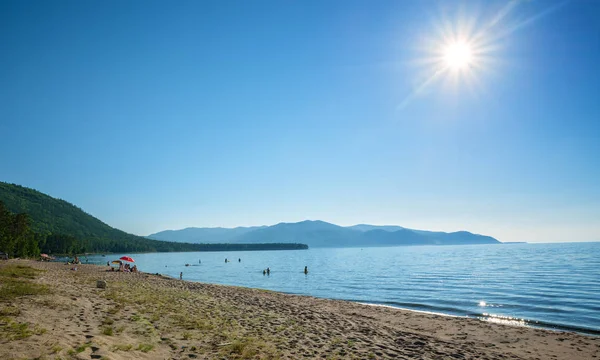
(484, 317)
(502, 320)
(142, 315)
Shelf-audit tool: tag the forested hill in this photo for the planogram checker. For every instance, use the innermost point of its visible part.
(57, 227)
(55, 216)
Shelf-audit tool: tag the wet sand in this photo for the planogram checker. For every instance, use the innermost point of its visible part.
(144, 316)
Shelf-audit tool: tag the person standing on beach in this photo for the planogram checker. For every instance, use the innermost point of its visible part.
(181, 275)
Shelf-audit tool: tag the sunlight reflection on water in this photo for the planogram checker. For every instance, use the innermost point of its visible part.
(504, 320)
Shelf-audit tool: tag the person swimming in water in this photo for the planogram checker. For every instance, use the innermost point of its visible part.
(268, 271)
(264, 272)
(306, 270)
(239, 260)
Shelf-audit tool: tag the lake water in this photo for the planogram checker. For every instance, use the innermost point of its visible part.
(549, 285)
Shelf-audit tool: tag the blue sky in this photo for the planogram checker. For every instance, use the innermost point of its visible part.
(153, 115)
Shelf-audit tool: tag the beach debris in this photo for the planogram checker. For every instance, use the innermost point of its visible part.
(101, 284)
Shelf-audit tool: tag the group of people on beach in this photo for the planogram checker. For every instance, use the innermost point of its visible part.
(128, 268)
(123, 267)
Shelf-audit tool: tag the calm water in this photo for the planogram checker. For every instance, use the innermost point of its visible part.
(549, 285)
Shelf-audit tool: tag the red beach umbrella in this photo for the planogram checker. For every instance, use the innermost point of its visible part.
(126, 258)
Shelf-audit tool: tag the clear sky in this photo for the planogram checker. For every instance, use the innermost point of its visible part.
(155, 115)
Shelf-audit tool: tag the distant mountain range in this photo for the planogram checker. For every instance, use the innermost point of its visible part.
(323, 234)
(62, 227)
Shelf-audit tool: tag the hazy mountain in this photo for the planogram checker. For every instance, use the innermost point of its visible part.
(317, 233)
(323, 234)
(458, 238)
(365, 227)
(202, 235)
(431, 237)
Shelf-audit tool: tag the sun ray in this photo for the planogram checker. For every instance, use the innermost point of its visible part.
(465, 50)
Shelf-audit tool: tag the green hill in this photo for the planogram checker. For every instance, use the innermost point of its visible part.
(55, 216)
(55, 226)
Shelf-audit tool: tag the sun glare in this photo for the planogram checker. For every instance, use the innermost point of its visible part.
(464, 49)
(458, 55)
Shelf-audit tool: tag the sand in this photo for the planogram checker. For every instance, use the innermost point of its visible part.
(144, 316)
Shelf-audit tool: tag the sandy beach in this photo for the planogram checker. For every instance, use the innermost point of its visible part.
(145, 316)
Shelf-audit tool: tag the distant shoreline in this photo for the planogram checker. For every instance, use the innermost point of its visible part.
(209, 248)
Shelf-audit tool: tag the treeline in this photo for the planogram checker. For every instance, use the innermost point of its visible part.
(16, 237)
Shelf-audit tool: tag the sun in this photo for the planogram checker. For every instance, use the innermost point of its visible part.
(458, 55)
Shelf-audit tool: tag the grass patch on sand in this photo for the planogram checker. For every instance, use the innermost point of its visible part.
(249, 348)
(145, 347)
(115, 309)
(12, 330)
(221, 327)
(14, 282)
(10, 289)
(81, 348)
(19, 271)
(108, 331)
(9, 310)
(122, 347)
